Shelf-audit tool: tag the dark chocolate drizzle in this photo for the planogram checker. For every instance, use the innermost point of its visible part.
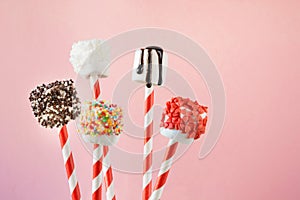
(140, 68)
(159, 52)
(149, 69)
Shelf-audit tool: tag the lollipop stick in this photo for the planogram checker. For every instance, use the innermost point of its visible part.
(164, 170)
(148, 142)
(69, 163)
(97, 152)
(108, 176)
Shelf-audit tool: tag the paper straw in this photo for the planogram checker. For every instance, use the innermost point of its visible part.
(100, 159)
(69, 163)
(97, 173)
(148, 142)
(97, 152)
(108, 176)
(164, 170)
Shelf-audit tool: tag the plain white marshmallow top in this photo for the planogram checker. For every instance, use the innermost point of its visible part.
(90, 57)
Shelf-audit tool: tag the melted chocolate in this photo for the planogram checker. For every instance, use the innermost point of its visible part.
(140, 68)
(159, 52)
(149, 69)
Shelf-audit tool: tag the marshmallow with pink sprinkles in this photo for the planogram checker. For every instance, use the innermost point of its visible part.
(183, 120)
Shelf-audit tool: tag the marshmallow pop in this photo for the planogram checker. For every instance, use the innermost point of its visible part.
(54, 105)
(183, 121)
(90, 59)
(150, 65)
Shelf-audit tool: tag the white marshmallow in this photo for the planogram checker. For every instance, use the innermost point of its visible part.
(105, 140)
(141, 67)
(176, 135)
(90, 57)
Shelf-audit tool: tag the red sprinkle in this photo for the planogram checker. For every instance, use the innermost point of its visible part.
(191, 124)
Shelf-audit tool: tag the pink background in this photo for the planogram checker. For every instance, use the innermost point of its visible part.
(255, 45)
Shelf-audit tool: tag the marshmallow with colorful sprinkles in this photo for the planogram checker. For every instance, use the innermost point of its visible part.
(100, 122)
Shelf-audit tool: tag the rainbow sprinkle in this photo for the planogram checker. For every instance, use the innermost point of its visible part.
(100, 118)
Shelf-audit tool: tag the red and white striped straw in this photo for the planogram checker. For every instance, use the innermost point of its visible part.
(97, 172)
(97, 152)
(164, 170)
(100, 156)
(148, 142)
(108, 176)
(69, 163)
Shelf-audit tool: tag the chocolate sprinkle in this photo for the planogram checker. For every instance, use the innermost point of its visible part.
(55, 104)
